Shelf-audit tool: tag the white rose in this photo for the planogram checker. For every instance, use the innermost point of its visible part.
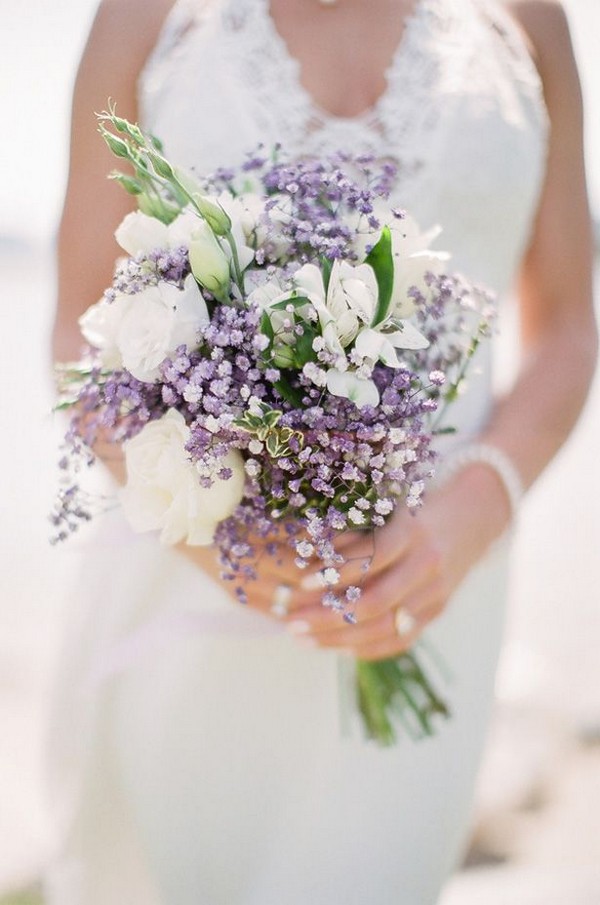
(140, 234)
(179, 232)
(162, 318)
(163, 490)
(100, 326)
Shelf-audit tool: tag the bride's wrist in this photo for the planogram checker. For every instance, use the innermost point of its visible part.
(478, 499)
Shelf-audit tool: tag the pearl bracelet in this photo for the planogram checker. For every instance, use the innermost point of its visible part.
(494, 458)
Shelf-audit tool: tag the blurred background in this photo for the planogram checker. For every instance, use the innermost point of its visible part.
(536, 834)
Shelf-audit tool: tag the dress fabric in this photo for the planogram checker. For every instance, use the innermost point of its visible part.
(201, 756)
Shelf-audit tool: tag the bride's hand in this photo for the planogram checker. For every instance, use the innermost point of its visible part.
(274, 571)
(416, 562)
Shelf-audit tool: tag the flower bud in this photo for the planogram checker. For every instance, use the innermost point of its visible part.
(119, 147)
(284, 356)
(213, 213)
(208, 261)
(155, 206)
(130, 184)
(161, 166)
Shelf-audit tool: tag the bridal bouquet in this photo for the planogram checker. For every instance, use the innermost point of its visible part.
(273, 357)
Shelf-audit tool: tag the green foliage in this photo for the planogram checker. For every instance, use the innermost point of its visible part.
(380, 258)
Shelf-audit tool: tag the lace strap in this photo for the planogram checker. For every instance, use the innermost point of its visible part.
(183, 17)
(512, 36)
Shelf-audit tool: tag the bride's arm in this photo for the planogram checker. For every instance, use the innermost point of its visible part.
(114, 55)
(420, 561)
(112, 60)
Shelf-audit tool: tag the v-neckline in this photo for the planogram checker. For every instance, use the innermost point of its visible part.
(293, 66)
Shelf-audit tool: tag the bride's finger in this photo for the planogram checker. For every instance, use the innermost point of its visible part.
(382, 632)
(384, 592)
(370, 554)
(422, 609)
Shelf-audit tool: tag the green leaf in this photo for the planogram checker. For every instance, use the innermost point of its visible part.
(326, 268)
(272, 417)
(288, 392)
(303, 350)
(380, 258)
(130, 184)
(272, 444)
(266, 326)
(296, 301)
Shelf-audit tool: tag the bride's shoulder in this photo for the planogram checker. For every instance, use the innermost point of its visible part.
(545, 27)
(122, 37)
(125, 31)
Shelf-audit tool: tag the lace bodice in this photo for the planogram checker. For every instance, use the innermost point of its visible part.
(462, 114)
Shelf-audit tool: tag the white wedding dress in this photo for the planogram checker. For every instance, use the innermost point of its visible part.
(200, 755)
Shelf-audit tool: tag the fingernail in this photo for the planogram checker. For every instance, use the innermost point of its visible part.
(312, 582)
(299, 627)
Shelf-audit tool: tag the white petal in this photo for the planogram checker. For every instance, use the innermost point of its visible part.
(308, 280)
(376, 346)
(140, 233)
(408, 337)
(361, 392)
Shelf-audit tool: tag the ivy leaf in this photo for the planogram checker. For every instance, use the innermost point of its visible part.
(380, 258)
(272, 444)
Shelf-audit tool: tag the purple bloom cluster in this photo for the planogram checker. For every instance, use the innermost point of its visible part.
(310, 193)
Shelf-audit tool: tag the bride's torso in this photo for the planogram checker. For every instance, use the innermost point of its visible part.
(462, 114)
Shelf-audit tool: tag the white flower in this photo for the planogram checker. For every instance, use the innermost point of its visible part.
(140, 234)
(139, 331)
(350, 300)
(161, 318)
(330, 576)
(397, 435)
(384, 507)
(315, 374)
(410, 249)
(244, 210)
(356, 516)
(359, 390)
(378, 346)
(252, 468)
(100, 326)
(266, 296)
(163, 490)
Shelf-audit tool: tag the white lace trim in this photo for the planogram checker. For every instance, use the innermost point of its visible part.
(446, 48)
(401, 122)
(181, 22)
